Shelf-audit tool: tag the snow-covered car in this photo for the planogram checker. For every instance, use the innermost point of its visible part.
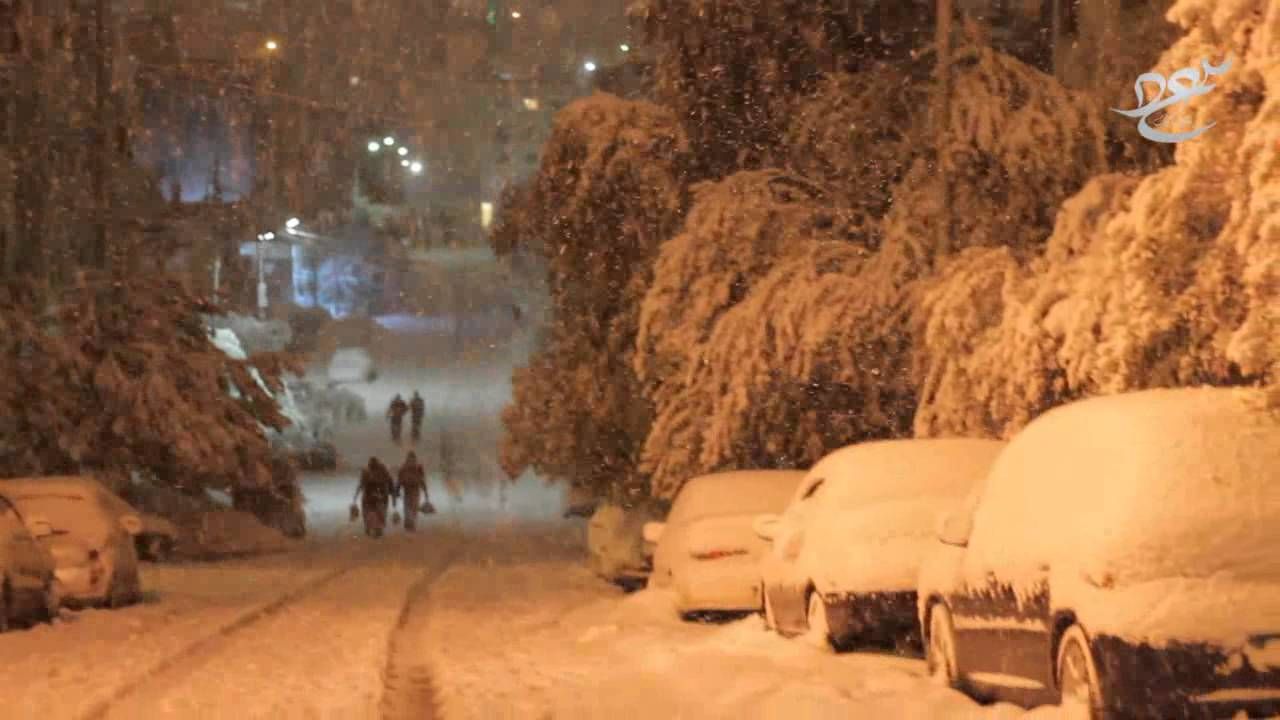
(29, 589)
(846, 553)
(707, 551)
(1123, 557)
(91, 542)
(352, 365)
(616, 547)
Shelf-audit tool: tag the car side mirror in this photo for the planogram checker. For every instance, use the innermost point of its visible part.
(653, 531)
(766, 527)
(40, 528)
(132, 524)
(954, 529)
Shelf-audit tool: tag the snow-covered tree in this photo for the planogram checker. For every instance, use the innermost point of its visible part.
(748, 227)
(115, 377)
(610, 190)
(1165, 280)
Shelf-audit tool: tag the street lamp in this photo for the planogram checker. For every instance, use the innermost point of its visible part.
(416, 168)
(374, 146)
(624, 47)
(292, 223)
(404, 163)
(515, 14)
(388, 141)
(403, 151)
(589, 66)
(272, 45)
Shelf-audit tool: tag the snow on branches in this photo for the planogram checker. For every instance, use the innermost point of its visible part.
(116, 376)
(1167, 280)
(739, 232)
(610, 190)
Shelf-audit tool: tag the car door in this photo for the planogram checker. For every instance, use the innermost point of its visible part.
(1000, 613)
(27, 565)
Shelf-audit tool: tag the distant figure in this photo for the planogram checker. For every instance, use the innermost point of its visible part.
(413, 484)
(396, 413)
(377, 489)
(418, 409)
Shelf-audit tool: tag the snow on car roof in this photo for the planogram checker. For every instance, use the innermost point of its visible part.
(883, 470)
(1139, 486)
(738, 492)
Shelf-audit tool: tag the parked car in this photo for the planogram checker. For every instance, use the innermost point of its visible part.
(706, 550)
(29, 589)
(91, 542)
(846, 553)
(616, 547)
(1122, 557)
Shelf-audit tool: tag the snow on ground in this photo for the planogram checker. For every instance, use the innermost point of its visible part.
(520, 629)
(60, 671)
(322, 657)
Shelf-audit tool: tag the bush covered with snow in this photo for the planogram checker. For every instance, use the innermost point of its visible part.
(610, 190)
(255, 336)
(1165, 280)
(122, 376)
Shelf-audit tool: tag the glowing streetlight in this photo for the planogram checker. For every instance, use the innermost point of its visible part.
(416, 168)
(403, 151)
(269, 236)
(589, 66)
(624, 47)
(292, 223)
(272, 45)
(404, 163)
(388, 141)
(515, 14)
(374, 146)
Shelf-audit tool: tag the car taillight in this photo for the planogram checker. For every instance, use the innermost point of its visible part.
(717, 554)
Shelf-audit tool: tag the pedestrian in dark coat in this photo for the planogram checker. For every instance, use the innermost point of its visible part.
(413, 486)
(418, 408)
(396, 412)
(375, 492)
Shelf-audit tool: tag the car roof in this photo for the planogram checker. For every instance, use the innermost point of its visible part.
(67, 485)
(888, 469)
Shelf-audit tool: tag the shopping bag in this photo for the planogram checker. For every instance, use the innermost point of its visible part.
(427, 508)
(354, 512)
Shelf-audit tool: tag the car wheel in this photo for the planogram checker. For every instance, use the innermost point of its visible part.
(770, 620)
(5, 605)
(52, 600)
(116, 595)
(1078, 676)
(819, 632)
(940, 657)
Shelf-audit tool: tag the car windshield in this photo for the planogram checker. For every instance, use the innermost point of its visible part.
(63, 512)
(716, 497)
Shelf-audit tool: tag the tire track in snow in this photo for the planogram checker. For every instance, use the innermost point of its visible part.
(410, 691)
(195, 652)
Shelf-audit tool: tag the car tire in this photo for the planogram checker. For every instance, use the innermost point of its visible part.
(1077, 677)
(6, 605)
(770, 619)
(52, 600)
(818, 625)
(940, 651)
(116, 596)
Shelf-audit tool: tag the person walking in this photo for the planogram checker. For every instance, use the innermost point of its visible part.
(396, 412)
(374, 494)
(418, 409)
(412, 480)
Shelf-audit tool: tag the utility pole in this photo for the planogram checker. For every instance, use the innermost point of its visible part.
(942, 131)
(98, 255)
